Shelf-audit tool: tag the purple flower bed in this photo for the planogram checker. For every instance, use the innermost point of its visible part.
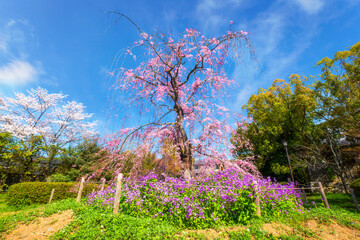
(222, 198)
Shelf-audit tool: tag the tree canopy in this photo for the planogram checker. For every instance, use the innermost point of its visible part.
(177, 86)
(316, 120)
(283, 112)
(35, 127)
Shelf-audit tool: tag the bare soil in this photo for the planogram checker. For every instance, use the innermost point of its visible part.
(42, 228)
(311, 230)
(277, 229)
(332, 231)
(219, 233)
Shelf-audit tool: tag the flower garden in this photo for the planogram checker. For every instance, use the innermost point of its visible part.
(223, 198)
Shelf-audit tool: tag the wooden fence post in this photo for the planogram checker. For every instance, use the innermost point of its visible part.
(80, 189)
(51, 195)
(304, 194)
(322, 192)
(102, 185)
(257, 200)
(118, 193)
(355, 200)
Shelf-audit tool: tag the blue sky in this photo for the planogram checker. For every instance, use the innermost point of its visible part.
(69, 46)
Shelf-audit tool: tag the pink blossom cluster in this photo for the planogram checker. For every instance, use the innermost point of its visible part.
(176, 85)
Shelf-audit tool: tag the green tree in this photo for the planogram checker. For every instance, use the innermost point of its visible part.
(80, 160)
(338, 96)
(283, 112)
(5, 141)
(21, 157)
(338, 92)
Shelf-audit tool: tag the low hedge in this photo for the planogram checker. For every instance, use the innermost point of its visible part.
(39, 192)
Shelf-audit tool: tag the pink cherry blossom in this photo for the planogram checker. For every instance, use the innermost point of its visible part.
(176, 90)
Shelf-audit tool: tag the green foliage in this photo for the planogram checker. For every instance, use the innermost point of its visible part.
(39, 192)
(305, 116)
(355, 185)
(27, 213)
(94, 224)
(342, 208)
(279, 169)
(338, 96)
(338, 92)
(224, 198)
(58, 177)
(80, 160)
(281, 112)
(21, 157)
(32, 160)
(2, 181)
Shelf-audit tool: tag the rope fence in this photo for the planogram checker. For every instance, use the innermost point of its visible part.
(120, 178)
(119, 184)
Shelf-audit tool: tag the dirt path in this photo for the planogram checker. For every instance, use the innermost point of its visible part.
(42, 228)
(314, 231)
(332, 231)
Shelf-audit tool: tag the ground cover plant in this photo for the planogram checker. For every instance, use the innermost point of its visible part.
(11, 215)
(91, 222)
(223, 198)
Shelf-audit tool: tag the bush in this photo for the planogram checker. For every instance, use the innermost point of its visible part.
(356, 186)
(223, 198)
(58, 177)
(39, 192)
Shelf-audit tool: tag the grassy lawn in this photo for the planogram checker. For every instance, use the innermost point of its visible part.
(336, 200)
(92, 223)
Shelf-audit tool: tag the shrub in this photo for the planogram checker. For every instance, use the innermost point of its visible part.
(58, 177)
(356, 186)
(223, 198)
(39, 192)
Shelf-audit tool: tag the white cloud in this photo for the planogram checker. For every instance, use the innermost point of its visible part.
(8, 33)
(17, 72)
(10, 22)
(311, 6)
(3, 46)
(16, 67)
(269, 32)
(208, 12)
(280, 36)
(244, 94)
(205, 11)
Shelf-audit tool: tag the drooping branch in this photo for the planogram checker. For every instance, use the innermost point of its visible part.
(182, 75)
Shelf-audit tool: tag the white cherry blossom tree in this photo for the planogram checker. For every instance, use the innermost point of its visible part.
(43, 114)
(39, 114)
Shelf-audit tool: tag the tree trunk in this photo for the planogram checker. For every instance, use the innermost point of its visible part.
(334, 146)
(184, 147)
(344, 184)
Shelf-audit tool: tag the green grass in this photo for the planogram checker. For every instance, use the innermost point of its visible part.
(4, 208)
(255, 232)
(92, 223)
(89, 222)
(336, 200)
